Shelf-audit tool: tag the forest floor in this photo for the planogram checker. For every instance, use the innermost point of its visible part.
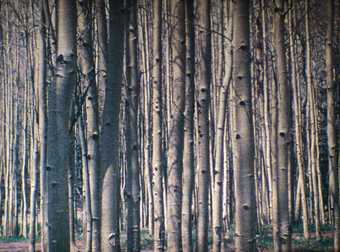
(264, 241)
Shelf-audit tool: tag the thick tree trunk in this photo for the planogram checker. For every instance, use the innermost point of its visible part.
(110, 133)
(59, 122)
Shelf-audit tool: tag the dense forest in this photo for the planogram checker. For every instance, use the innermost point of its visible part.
(170, 125)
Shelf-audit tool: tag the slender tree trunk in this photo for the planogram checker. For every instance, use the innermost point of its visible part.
(283, 129)
(24, 171)
(42, 86)
(243, 146)
(159, 232)
(42, 118)
(102, 57)
(203, 50)
(266, 109)
(71, 192)
(313, 127)
(87, 213)
(298, 125)
(34, 184)
(176, 124)
(91, 105)
(87, 224)
(188, 177)
(132, 190)
(219, 182)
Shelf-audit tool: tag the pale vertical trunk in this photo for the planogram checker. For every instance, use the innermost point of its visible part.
(331, 132)
(203, 50)
(71, 192)
(34, 161)
(91, 108)
(219, 183)
(24, 171)
(243, 145)
(132, 189)
(2, 127)
(34, 184)
(101, 33)
(157, 167)
(176, 124)
(266, 109)
(87, 223)
(283, 128)
(42, 117)
(15, 142)
(301, 193)
(313, 127)
(144, 34)
(188, 151)
(5, 136)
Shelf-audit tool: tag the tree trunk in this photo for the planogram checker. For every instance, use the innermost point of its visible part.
(110, 133)
(91, 105)
(283, 129)
(298, 125)
(132, 189)
(157, 167)
(219, 182)
(243, 145)
(34, 184)
(176, 124)
(203, 50)
(331, 132)
(87, 223)
(59, 122)
(313, 127)
(42, 117)
(188, 178)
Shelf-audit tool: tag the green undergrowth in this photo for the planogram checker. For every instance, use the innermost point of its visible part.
(145, 240)
(299, 243)
(12, 239)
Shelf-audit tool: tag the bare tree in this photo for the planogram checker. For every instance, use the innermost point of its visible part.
(243, 145)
